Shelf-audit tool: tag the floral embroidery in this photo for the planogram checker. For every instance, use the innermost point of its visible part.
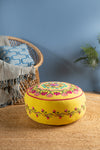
(54, 85)
(55, 113)
(54, 88)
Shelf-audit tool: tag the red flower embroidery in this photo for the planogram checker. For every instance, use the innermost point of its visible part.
(49, 93)
(42, 110)
(60, 117)
(70, 115)
(57, 93)
(36, 115)
(54, 111)
(65, 110)
(33, 91)
(31, 88)
(69, 92)
(43, 93)
(33, 108)
(79, 112)
(75, 91)
(47, 117)
(53, 84)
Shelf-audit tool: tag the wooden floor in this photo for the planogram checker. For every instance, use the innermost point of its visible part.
(18, 132)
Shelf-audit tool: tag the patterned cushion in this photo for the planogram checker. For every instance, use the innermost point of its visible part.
(17, 55)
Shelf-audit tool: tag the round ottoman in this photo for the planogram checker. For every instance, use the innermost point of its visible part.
(55, 103)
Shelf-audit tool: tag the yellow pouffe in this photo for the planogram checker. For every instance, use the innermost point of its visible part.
(55, 103)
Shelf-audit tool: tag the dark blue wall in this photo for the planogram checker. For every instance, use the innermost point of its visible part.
(58, 28)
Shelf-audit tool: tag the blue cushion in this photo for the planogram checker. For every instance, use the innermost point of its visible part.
(18, 55)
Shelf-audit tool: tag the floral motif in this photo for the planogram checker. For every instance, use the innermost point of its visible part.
(55, 113)
(54, 85)
(54, 88)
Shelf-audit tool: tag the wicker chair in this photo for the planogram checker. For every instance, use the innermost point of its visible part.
(38, 59)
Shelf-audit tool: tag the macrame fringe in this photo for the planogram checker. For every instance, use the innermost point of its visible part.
(8, 85)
